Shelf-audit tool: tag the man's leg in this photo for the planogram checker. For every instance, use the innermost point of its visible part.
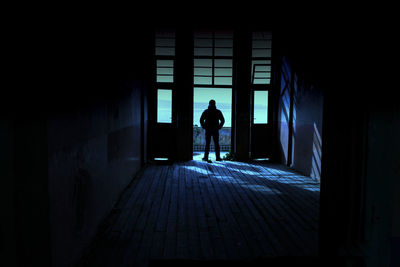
(216, 144)
(208, 141)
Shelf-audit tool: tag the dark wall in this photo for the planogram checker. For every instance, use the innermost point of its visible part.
(72, 131)
(7, 224)
(93, 153)
(24, 227)
(97, 123)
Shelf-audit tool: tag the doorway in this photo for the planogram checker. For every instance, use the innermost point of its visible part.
(223, 99)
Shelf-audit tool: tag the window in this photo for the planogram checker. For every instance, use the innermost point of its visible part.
(165, 43)
(165, 56)
(165, 71)
(260, 107)
(164, 106)
(261, 58)
(213, 52)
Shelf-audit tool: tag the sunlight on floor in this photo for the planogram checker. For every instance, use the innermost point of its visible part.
(198, 155)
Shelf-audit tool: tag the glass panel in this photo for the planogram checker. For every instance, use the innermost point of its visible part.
(223, 80)
(262, 70)
(223, 72)
(223, 52)
(164, 106)
(165, 79)
(261, 52)
(165, 71)
(203, 43)
(165, 63)
(202, 71)
(203, 62)
(223, 43)
(165, 42)
(262, 81)
(169, 71)
(262, 44)
(260, 111)
(202, 51)
(259, 75)
(224, 63)
(203, 80)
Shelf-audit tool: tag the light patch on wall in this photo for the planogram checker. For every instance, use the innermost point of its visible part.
(316, 156)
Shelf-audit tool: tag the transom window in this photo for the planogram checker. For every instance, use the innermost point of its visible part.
(261, 58)
(165, 56)
(213, 52)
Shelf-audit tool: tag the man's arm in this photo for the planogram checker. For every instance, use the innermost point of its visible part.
(202, 119)
(222, 119)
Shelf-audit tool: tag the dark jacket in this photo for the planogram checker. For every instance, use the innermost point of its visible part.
(212, 119)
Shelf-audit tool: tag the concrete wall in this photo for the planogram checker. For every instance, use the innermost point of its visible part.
(306, 137)
(307, 134)
(93, 153)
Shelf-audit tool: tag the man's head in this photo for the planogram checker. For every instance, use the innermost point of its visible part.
(212, 103)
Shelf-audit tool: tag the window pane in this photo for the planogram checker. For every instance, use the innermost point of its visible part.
(164, 106)
(203, 62)
(223, 43)
(203, 80)
(223, 80)
(224, 63)
(165, 71)
(202, 71)
(165, 79)
(262, 44)
(259, 75)
(223, 52)
(200, 51)
(203, 43)
(261, 52)
(165, 63)
(262, 81)
(223, 72)
(262, 70)
(165, 42)
(260, 112)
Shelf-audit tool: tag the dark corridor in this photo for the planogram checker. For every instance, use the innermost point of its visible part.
(81, 124)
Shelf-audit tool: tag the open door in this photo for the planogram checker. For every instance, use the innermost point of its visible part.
(162, 108)
(163, 127)
(261, 113)
(261, 130)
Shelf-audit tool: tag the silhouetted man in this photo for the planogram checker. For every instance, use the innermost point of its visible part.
(212, 120)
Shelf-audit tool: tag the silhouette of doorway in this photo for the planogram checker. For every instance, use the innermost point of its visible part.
(223, 98)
